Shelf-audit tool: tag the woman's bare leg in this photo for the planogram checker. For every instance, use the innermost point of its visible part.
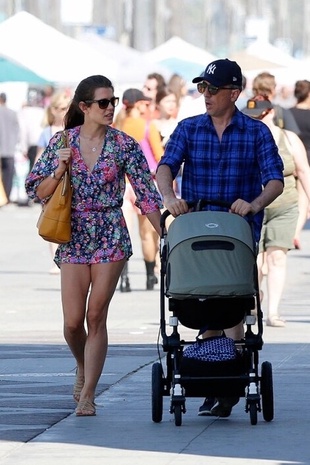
(88, 347)
(276, 259)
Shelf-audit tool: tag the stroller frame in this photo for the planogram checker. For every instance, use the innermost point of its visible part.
(250, 381)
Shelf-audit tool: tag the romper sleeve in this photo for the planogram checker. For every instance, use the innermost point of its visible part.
(139, 176)
(44, 166)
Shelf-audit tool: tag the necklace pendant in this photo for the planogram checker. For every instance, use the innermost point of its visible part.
(94, 149)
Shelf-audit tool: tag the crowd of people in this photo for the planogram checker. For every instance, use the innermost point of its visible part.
(134, 159)
(150, 115)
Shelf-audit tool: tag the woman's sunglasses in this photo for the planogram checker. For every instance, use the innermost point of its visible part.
(103, 103)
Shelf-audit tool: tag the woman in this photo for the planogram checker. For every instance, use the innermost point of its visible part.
(131, 119)
(91, 263)
(178, 86)
(166, 103)
(280, 217)
(301, 112)
(53, 122)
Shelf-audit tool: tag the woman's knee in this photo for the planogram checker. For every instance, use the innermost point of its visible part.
(74, 323)
(97, 318)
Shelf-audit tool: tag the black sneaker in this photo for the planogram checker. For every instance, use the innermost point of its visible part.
(205, 409)
(223, 406)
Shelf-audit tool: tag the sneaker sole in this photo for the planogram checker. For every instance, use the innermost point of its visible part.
(205, 413)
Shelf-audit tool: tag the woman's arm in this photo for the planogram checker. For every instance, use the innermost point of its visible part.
(49, 184)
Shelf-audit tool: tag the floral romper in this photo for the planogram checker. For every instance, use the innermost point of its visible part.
(99, 231)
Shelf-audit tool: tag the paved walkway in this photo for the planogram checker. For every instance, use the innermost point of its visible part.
(37, 421)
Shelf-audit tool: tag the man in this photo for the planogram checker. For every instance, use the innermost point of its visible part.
(154, 82)
(9, 137)
(227, 156)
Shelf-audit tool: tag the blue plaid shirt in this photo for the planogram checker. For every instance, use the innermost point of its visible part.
(236, 167)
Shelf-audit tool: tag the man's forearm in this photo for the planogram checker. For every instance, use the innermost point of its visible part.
(271, 191)
(165, 181)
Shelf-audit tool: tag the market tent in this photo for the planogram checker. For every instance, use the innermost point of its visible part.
(262, 56)
(266, 51)
(181, 57)
(132, 66)
(179, 48)
(249, 62)
(47, 52)
(12, 72)
(187, 69)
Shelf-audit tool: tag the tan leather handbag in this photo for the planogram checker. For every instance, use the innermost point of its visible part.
(54, 223)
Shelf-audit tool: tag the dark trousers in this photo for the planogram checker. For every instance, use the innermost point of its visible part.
(7, 174)
(31, 154)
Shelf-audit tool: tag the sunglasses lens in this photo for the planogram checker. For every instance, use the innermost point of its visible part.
(104, 102)
(114, 101)
(202, 86)
(213, 90)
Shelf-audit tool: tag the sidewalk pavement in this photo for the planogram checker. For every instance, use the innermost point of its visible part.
(37, 422)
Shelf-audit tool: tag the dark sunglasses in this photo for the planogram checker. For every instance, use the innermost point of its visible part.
(103, 103)
(213, 90)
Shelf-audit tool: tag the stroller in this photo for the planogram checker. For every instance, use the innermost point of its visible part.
(209, 278)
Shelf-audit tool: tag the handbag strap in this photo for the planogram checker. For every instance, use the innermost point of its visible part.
(65, 141)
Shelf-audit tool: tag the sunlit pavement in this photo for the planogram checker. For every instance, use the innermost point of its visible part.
(37, 422)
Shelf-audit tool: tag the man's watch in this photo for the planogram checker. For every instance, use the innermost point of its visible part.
(53, 175)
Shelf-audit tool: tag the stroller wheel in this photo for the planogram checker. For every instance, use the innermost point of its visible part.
(157, 392)
(178, 415)
(253, 413)
(267, 391)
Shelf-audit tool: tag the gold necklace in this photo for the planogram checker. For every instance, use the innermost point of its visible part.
(95, 147)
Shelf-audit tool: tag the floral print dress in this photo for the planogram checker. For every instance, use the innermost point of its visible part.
(99, 231)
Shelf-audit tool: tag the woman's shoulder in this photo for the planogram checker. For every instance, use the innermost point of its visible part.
(119, 136)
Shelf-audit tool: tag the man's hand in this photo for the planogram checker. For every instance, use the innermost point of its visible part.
(242, 208)
(175, 206)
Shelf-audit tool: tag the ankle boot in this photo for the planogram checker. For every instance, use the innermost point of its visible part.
(125, 284)
(151, 279)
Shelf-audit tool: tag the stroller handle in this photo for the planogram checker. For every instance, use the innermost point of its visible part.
(197, 206)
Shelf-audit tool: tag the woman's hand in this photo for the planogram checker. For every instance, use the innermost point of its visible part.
(64, 156)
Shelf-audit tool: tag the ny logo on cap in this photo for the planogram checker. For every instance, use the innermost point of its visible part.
(211, 68)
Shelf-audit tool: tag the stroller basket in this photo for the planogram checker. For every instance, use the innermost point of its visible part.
(210, 240)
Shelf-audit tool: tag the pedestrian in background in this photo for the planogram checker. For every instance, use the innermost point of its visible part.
(91, 263)
(280, 216)
(31, 119)
(153, 83)
(265, 84)
(301, 112)
(131, 119)
(9, 138)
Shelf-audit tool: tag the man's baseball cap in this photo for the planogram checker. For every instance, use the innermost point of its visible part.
(221, 73)
(131, 96)
(257, 107)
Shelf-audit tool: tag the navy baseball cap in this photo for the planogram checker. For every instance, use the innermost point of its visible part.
(221, 73)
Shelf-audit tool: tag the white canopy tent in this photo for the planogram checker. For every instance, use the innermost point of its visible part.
(181, 57)
(50, 54)
(132, 66)
(266, 51)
